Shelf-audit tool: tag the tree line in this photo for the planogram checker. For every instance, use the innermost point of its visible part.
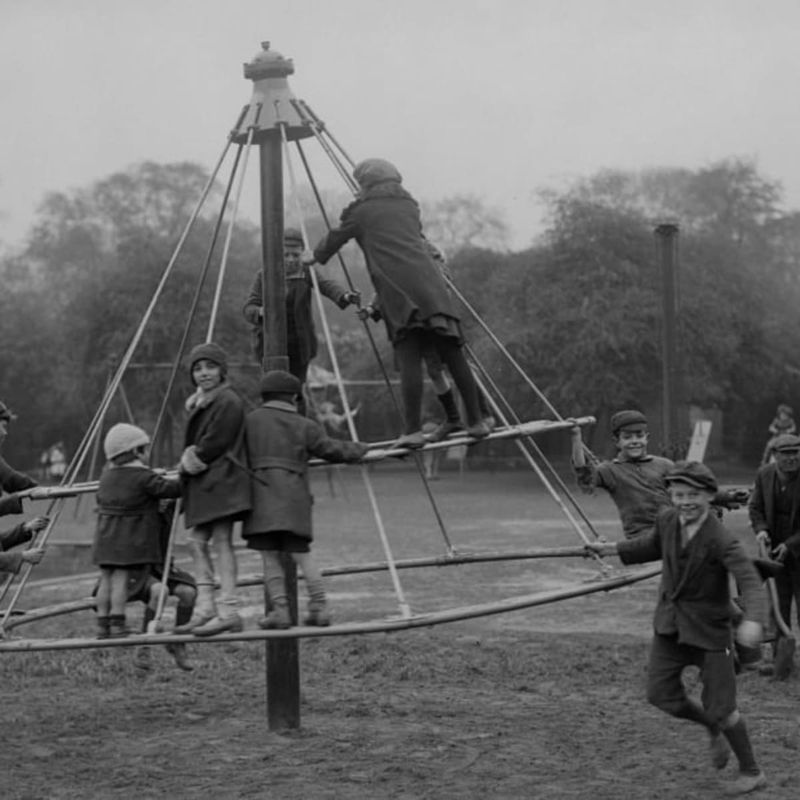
(579, 310)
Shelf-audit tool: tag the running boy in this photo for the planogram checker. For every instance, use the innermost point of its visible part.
(692, 623)
(279, 444)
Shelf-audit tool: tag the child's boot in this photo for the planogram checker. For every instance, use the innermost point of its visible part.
(279, 617)
(117, 629)
(102, 628)
(318, 614)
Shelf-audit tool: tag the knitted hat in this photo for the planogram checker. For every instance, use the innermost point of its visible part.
(123, 438)
(292, 236)
(376, 170)
(210, 352)
(278, 381)
(629, 419)
(6, 414)
(694, 474)
(786, 443)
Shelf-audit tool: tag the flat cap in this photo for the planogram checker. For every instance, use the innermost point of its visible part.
(694, 474)
(627, 419)
(786, 443)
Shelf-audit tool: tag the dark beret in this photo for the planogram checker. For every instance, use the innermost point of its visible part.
(278, 381)
(627, 419)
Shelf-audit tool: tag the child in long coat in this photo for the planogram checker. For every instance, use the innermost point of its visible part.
(128, 522)
(414, 299)
(279, 444)
(11, 480)
(216, 492)
(11, 562)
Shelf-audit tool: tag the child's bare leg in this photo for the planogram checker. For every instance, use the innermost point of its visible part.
(103, 599)
(119, 592)
(226, 561)
(186, 598)
(205, 609)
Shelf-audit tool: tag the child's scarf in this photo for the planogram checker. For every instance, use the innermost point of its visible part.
(202, 399)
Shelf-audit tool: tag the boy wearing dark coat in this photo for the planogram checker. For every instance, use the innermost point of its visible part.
(415, 303)
(692, 622)
(279, 444)
(300, 331)
(216, 492)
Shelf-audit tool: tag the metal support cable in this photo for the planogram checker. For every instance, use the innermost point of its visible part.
(405, 609)
(532, 443)
(175, 366)
(324, 130)
(226, 248)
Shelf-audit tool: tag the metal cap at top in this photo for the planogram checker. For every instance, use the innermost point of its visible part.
(268, 64)
(273, 104)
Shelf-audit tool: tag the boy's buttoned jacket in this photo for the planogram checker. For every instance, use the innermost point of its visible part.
(694, 596)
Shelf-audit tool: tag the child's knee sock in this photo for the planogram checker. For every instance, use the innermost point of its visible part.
(448, 401)
(740, 744)
(183, 614)
(149, 616)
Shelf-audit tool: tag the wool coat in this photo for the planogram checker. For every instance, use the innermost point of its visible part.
(694, 600)
(13, 481)
(301, 333)
(761, 508)
(279, 444)
(385, 221)
(216, 430)
(128, 520)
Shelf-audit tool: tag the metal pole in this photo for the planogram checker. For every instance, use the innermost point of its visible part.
(282, 656)
(672, 433)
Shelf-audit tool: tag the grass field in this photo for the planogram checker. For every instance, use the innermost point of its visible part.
(542, 703)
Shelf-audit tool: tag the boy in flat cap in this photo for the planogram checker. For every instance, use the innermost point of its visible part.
(634, 479)
(279, 444)
(693, 622)
(774, 510)
(301, 335)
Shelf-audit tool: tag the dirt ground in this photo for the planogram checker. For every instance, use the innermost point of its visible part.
(542, 703)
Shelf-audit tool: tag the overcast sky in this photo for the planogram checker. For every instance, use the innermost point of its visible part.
(493, 97)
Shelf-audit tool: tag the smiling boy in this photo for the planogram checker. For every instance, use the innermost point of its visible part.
(692, 624)
(634, 479)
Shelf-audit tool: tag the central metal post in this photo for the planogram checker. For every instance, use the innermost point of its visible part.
(271, 109)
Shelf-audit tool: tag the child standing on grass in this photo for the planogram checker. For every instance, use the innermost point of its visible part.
(279, 444)
(128, 523)
(216, 491)
(692, 623)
